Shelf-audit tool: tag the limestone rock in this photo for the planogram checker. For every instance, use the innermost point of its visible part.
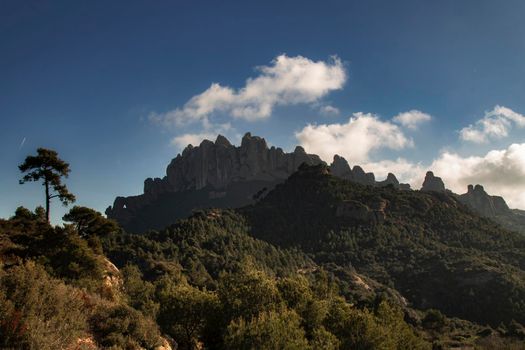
(390, 180)
(222, 175)
(483, 203)
(215, 166)
(433, 183)
(340, 168)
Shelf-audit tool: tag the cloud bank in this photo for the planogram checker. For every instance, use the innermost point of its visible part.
(353, 140)
(501, 172)
(286, 81)
(496, 124)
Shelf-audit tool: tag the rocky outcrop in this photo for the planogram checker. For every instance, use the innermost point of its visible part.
(483, 203)
(341, 168)
(433, 183)
(219, 174)
(113, 283)
(374, 213)
(390, 180)
(216, 166)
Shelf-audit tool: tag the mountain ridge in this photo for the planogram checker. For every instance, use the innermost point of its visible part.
(219, 174)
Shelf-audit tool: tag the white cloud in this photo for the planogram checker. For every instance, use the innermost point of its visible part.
(495, 124)
(328, 110)
(411, 119)
(501, 172)
(354, 140)
(286, 81)
(404, 170)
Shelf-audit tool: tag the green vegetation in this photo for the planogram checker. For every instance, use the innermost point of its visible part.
(46, 166)
(427, 246)
(316, 277)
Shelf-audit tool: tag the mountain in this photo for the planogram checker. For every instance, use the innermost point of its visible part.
(493, 207)
(221, 175)
(428, 246)
(319, 261)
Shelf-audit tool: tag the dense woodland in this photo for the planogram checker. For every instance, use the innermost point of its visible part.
(289, 272)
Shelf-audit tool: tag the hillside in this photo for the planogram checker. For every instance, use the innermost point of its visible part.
(427, 245)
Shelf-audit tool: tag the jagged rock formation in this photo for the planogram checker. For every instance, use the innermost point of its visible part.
(493, 207)
(341, 168)
(483, 203)
(217, 173)
(433, 183)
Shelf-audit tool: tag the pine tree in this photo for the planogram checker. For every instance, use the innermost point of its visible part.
(46, 166)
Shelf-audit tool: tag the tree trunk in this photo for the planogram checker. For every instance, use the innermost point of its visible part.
(47, 201)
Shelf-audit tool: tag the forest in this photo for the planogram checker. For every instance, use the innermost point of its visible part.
(315, 264)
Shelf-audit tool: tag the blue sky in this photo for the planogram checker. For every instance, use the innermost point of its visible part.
(86, 78)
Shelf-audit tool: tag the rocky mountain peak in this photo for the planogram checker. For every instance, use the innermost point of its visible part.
(433, 183)
(222, 141)
(299, 150)
(216, 167)
(483, 203)
(340, 167)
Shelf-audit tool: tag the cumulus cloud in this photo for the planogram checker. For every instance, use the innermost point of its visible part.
(354, 140)
(411, 119)
(286, 81)
(405, 170)
(495, 124)
(501, 172)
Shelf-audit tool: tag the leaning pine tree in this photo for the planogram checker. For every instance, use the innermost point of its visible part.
(46, 166)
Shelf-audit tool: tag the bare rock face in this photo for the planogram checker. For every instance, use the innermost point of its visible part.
(215, 166)
(374, 213)
(341, 168)
(433, 183)
(390, 180)
(219, 174)
(483, 203)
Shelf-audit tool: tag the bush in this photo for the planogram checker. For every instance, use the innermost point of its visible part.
(267, 331)
(185, 312)
(39, 312)
(123, 327)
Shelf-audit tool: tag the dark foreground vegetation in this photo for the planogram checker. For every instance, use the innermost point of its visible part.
(319, 263)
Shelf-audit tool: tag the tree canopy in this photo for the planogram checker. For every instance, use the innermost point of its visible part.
(49, 168)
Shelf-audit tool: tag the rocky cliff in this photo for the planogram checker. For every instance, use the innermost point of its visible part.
(214, 170)
(433, 183)
(483, 203)
(219, 174)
